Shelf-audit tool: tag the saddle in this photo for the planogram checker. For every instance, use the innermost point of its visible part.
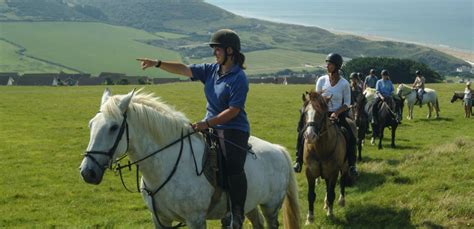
(213, 166)
(213, 161)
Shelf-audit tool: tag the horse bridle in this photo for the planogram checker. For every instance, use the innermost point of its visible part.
(400, 93)
(316, 125)
(110, 153)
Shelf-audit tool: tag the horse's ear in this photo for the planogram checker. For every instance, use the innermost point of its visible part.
(303, 97)
(126, 101)
(105, 96)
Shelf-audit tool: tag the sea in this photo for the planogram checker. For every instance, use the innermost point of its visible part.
(444, 23)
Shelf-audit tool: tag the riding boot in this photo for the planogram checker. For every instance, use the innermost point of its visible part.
(351, 158)
(298, 166)
(238, 194)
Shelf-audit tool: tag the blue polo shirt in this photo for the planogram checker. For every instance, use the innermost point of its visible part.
(371, 81)
(222, 92)
(384, 87)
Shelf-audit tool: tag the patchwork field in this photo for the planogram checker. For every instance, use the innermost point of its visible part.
(425, 182)
(88, 47)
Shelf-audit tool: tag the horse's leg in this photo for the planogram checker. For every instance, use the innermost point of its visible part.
(256, 218)
(197, 223)
(410, 111)
(271, 215)
(361, 133)
(394, 128)
(166, 223)
(374, 135)
(381, 136)
(311, 197)
(342, 188)
(330, 194)
(430, 108)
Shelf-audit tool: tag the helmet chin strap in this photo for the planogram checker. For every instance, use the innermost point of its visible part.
(225, 56)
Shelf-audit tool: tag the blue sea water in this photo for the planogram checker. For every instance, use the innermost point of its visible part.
(447, 23)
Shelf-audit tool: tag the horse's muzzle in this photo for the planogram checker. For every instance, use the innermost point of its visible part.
(90, 174)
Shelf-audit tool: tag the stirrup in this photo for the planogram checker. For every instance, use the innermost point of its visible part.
(297, 167)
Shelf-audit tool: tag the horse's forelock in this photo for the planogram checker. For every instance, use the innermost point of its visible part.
(318, 101)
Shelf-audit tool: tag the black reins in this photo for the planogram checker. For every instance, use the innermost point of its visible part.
(111, 151)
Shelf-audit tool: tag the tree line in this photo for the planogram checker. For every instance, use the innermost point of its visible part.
(401, 70)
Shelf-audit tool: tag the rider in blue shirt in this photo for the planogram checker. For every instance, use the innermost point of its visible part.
(383, 90)
(226, 88)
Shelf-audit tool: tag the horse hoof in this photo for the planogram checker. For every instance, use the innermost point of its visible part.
(342, 202)
(329, 214)
(309, 219)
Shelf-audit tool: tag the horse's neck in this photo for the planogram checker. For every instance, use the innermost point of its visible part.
(329, 136)
(158, 167)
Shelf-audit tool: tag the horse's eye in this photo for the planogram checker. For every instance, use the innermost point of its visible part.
(114, 128)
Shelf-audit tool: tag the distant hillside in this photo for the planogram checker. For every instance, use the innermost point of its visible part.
(196, 20)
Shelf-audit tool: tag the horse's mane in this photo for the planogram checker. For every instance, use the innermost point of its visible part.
(318, 101)
(163, 121)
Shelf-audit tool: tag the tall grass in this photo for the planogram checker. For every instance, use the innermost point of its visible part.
(425, 182)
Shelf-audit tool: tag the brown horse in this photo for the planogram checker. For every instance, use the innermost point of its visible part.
(362, 121)
(459, 95)
(324, 152)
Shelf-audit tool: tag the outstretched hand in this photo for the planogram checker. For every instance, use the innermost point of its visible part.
(146, 62)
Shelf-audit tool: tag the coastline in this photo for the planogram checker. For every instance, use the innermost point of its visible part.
(465, 55)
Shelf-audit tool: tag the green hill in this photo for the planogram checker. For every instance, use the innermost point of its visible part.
(194, 20)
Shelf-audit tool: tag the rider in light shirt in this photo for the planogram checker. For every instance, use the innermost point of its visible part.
(333, 85)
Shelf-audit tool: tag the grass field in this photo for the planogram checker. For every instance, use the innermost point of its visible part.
(89, 47)
(274, 60)
(426, 182)
(97, 47)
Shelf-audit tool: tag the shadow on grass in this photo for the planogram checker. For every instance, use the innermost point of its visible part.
(372, 216)
(368, 181)
(403, 147)
(434, 119)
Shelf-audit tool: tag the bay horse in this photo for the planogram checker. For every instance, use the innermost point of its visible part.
(430, 98)
(169, 153)
(362, 121)
(389, 115)
(324, 153)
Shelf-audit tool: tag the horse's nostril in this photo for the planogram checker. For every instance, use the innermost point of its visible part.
(89, 174)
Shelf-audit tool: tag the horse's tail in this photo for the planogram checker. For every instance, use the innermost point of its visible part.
(291, 208)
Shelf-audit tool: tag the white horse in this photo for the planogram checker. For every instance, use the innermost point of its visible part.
(171, 187)
(430, 98)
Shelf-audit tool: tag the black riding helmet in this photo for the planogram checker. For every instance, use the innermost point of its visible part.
(353, 75)
(385, 72)
(335, 59)
(418, 72)
(225, 38)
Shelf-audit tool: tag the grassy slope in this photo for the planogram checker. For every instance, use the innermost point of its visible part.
(89, 47)
(14, 62)
(273, 60)
(427, 180)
